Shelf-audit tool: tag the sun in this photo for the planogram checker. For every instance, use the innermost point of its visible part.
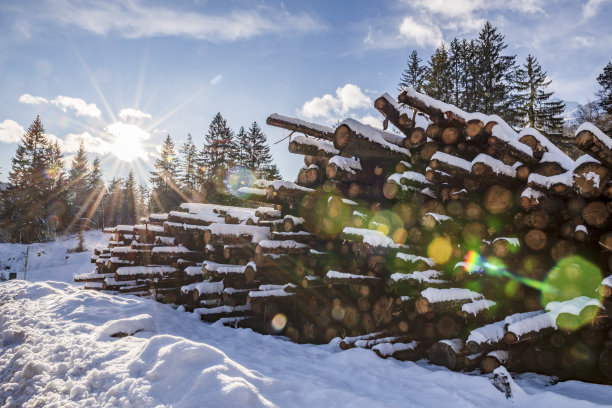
(128, 141)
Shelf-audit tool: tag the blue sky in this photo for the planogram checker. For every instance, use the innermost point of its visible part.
(120, 75)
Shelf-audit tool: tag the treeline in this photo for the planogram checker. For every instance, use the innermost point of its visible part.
(477, 76)
(44, 199)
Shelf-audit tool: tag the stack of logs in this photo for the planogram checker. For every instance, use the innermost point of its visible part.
(454, 238)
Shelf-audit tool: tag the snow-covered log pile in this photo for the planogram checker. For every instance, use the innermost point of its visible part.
(455, 239)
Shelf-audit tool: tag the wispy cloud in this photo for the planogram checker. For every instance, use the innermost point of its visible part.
(429, 22)
(32, 100)
(10, 131)
(216, 79)
(591, 7)
(137, 19)
(127, 113)
(81, 107)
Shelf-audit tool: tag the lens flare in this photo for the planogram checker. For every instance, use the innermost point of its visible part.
(236, 178)
(440, 250)
(572, 277)
(279, 322)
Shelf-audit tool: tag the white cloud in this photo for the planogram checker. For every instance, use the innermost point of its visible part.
(590, 8)
(372, 121)
(582, 42)
(32, 100)
(92, 144)
(422, 34)
(10, 131)
(126, 113)
(216, 79)
(137, 19)
(80, 106)
(331, 107)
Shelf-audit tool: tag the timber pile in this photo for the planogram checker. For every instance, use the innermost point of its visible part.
(455, 239)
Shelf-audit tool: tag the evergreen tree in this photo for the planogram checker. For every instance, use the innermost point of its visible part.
(130, 200)
(112, 206)
(218, 154)
(165, 192)
(96, 190)
(258, 158)
(32, 208)
(462, 73)
(535, 108)
(495, 75)
(244, 148)
(438, 84)
(189, 166)
(143, 200)
(414, 74)
(78, 188)
(605, 91)
(55, 192)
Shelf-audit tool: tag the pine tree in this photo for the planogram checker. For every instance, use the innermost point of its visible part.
(437, 80)
(96, 191)
(414, 74)
(243, 147)
(495, 75)
(218, 154)
(605, 92)
(55, 192)
(130, 200)
(165, 191)
(535, 108)
(258, 156)
(462, 73)
(78, 188)
(189, 166)
(32, 202)
(143, 201)
(112, 207)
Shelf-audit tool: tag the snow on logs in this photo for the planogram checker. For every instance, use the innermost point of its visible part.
(466, 179)
(301, 126)
(354, 138)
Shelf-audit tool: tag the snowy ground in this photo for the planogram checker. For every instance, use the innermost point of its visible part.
(57, 350)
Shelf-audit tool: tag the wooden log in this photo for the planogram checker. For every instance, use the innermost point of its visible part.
(298, 125)
(428, 150)
(595, 142)
(389, 109)
(498, 199)
(591, 179)
(596, 214)
(355, 139)
(536, 239)
(448, 353)
(451, 135)
(317, 148)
